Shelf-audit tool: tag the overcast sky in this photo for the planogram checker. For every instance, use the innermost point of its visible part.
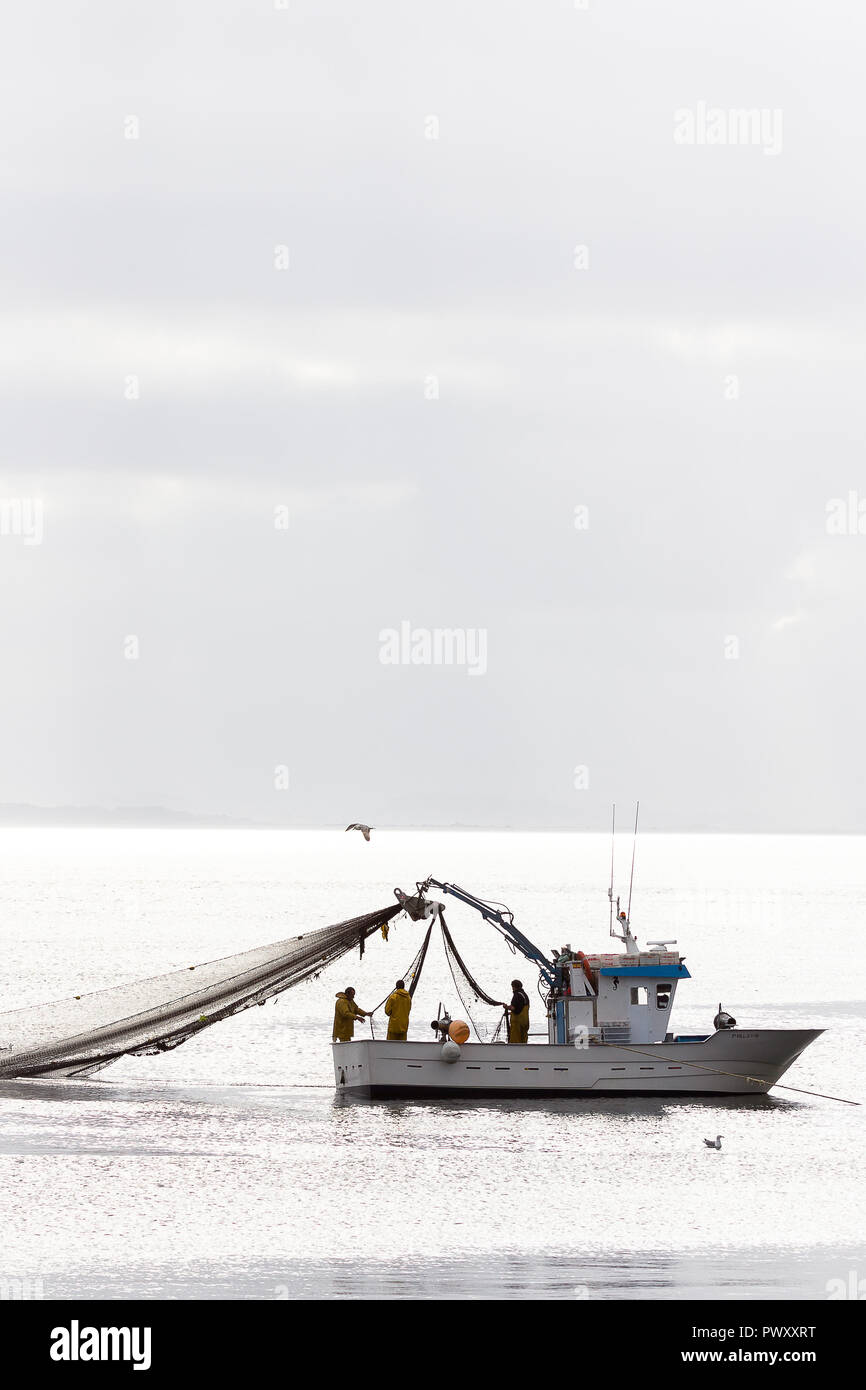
(486, 318)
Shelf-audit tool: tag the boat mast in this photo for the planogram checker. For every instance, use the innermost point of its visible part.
(623, 919)
(633, 849)
(612, 843)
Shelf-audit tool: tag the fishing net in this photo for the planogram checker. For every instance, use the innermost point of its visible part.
(412, 976)
(76, 1037)
(488, 1027)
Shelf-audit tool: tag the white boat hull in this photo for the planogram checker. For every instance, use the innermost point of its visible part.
(733, 1062)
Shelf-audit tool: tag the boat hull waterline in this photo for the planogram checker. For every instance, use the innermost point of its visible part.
(729, 1062)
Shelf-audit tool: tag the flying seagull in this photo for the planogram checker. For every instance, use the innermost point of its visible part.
(714, 1143)
(364, 829)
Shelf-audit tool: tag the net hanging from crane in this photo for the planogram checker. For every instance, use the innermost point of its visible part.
(487, 1029)
(412, 976)
(76, 1037)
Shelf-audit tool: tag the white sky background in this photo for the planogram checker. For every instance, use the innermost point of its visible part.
(409, 258)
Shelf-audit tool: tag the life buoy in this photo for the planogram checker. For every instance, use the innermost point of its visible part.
(588, 971)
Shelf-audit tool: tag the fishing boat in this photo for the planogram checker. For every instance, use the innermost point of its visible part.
(607, 1030)
(606, 1018)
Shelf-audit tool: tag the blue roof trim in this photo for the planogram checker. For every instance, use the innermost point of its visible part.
(654, 972)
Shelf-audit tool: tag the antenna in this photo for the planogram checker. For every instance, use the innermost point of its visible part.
(612, 843)
(633, 849)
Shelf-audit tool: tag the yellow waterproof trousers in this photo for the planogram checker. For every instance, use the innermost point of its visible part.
(518, 1028)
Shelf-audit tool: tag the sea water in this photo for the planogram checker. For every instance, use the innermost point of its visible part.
(229, 1168)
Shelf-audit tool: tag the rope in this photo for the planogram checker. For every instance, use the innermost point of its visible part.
(738, 1076)
(413, 973)
(451, 955)
(476, 988)
(418, 964)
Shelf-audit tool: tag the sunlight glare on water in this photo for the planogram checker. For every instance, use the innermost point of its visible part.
(229, 1168)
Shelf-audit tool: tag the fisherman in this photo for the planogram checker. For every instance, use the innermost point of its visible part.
(562, 962)
(398, 1007)
(518, 1022)
(345, 1014)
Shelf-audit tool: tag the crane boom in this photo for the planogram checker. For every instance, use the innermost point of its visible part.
(503, 920)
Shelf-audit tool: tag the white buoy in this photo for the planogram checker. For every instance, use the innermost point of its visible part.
(449, 1051)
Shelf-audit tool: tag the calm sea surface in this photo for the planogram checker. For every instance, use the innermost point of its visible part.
(229, 1168)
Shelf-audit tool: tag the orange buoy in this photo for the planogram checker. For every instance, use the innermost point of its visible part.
(458, 1031)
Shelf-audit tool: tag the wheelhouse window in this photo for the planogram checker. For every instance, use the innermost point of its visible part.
(663, 996)
(639, 994)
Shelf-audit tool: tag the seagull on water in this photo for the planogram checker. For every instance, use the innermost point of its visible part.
(714, 1143)
(364, 829)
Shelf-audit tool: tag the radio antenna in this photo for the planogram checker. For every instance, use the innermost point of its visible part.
(633, 848)
(612, 843)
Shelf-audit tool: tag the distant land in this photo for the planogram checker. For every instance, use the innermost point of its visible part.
(24, 816)
(133, 817)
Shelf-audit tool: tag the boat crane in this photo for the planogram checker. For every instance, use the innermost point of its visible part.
(503, 920)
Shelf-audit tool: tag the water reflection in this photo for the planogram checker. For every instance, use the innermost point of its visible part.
(510, 1275)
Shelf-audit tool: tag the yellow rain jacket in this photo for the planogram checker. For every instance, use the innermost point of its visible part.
(344, 1018)
(398, 1006)
(518, 1026)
